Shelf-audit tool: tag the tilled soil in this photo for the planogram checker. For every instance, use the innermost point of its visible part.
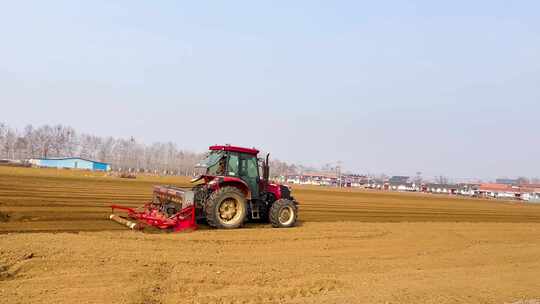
(40, 200)
(4, 217)
(347, 262)
(350, 247)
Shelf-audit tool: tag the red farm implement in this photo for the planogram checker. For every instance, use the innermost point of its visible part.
(172, 209)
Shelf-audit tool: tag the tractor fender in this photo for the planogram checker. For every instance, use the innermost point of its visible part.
(275, 189)
(279, 191)
(227, 181)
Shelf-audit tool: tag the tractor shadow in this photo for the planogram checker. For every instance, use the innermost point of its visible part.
(203, 226)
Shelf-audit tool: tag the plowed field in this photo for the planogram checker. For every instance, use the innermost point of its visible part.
(351, 247)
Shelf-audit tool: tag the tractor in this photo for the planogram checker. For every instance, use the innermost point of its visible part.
(229, 192)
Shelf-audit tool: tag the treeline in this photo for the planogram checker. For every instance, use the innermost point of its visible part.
(123, 154)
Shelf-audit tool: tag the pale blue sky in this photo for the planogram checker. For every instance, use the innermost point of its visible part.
(385, 86)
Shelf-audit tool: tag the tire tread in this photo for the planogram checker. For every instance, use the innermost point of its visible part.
(274, 212)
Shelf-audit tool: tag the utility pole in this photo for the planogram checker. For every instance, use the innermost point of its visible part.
(339, 172)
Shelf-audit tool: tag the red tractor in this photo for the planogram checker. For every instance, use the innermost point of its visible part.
(229, 193)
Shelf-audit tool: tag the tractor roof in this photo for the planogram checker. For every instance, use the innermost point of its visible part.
(251, 151)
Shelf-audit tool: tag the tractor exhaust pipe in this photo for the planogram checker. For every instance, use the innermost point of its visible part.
(120, 220)
(266, 171)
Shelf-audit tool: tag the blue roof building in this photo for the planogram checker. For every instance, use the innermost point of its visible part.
(71, 163)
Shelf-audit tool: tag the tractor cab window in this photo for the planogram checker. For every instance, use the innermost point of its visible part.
(214, 163)
(252, 167)
(249, 167)
(232, 168)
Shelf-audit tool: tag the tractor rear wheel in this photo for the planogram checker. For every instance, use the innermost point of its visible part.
(226, 208)
(283, 213)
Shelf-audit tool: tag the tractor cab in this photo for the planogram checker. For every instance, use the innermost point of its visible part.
(235, 163)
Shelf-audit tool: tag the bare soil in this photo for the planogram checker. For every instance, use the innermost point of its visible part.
(350, 247)
(4, 217)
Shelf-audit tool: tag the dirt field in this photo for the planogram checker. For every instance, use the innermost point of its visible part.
(350, 247)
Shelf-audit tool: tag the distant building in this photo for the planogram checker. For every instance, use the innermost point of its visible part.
(507, 181)
(527, 192)
(326, 179)
(400, 183)
(354, 180)
(399, 180)
(443, 188)
(378, 184)
(71, 163)
(312, 178)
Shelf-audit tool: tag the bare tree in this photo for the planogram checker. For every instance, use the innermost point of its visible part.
(123, 154)
(44, 138)
(523, 180)
(105, 150)
(89, 146)
(32, 145)
(10, 139)
(20, 148)
(442, 180)
(3, 131)
(418, 178)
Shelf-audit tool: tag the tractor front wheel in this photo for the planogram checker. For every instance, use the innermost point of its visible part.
(226, 208)
(283, 213)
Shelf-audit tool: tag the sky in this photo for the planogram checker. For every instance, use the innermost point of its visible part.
(444, 88)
